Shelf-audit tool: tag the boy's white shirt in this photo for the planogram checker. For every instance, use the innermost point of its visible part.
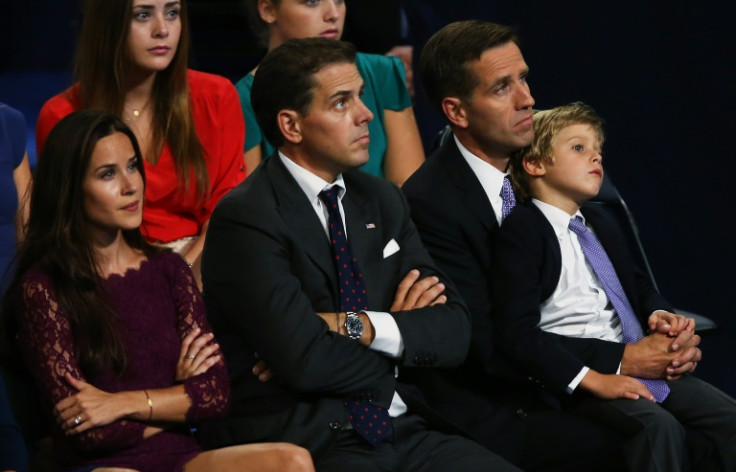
(578, 307)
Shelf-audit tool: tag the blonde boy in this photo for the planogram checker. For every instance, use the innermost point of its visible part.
(582, 321)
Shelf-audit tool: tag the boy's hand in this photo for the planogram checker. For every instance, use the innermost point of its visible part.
(612, 386)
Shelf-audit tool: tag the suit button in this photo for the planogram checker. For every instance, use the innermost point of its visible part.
(335, 426)
(417, 361)
(520, 413)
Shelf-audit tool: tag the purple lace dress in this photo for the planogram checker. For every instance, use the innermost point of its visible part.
(159, 304)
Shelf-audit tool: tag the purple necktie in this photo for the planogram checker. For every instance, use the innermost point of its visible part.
(370, 421)
(630, 326)
(508, 199)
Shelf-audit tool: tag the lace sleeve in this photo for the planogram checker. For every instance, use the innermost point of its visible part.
(46, 340)
(210, 391)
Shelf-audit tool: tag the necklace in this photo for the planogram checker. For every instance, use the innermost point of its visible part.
(136, 112)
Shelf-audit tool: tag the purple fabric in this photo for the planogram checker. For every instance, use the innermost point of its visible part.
(158, 303)
(508, 199)
(632, 331)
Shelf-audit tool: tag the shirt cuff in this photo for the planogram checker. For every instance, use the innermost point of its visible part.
(387, 338)
(576, 381)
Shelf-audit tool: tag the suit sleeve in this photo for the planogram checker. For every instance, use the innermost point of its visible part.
(434, 336)
(521, 252)
(466, 264)
(249, 266)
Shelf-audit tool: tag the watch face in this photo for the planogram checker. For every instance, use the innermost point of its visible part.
(354, 326)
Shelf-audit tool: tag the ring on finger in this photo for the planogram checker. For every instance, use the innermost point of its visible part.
(189, 356)
(78, 420)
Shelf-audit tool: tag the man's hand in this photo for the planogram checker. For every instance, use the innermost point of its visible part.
(261, 370)
(413, 293)
(652, 357)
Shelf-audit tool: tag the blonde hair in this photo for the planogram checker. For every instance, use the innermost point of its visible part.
(547, 125)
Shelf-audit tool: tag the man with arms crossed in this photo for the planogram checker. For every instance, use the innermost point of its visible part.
(317, 268)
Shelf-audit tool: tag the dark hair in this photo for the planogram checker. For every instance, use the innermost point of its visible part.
(443, 66)
(285, 79)
(58, 239)
(547, 126)
(100, 67)
(258, 27)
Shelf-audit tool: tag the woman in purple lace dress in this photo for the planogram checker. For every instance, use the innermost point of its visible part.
(113, 330)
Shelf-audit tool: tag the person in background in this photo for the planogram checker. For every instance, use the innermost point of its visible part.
(395, 148)
(114, 329)
(15, 182)
(132, 61)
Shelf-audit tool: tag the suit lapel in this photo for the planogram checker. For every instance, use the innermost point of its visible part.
(462, 176)
(298, 215)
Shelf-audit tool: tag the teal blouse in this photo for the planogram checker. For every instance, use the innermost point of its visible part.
(385, 89)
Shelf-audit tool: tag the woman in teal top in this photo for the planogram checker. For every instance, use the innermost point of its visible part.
(395, 148)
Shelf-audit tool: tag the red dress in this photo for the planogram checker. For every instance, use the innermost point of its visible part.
(158, 304)
(169, 213)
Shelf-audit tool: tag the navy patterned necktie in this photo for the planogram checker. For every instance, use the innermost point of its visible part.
(508, 199)
(630, 326)
(370, 421)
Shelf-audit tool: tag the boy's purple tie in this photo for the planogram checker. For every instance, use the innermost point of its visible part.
(508, 199)
(630, 327)
(370, 421)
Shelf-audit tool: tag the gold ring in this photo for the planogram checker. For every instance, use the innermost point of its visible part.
(189, 356)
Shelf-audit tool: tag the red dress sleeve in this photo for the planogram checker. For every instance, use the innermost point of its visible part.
(210, 391)
(51, 113)
(221, 130)
(46, 339)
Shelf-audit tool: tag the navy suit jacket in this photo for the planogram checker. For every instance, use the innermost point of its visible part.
(527, 270)
(487, 394)
(267, 268)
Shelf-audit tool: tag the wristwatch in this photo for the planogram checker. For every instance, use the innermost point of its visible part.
(353, 325)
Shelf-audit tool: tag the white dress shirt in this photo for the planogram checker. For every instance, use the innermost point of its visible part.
(578, 307)
(491, 179)
(387, 338)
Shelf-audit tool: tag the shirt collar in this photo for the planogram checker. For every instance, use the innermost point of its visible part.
(310, 183)
(490, 177)
(559, 219)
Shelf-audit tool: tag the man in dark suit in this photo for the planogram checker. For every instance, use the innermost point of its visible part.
(475, 74)
(330, 318)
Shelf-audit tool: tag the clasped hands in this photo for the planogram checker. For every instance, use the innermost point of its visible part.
(668, 352)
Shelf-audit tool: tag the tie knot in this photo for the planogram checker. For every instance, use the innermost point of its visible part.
(577, 226)
(329, 197)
